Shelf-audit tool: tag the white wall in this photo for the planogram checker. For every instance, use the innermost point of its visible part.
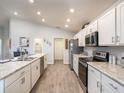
(19, 28)
(6, 51)
(1, 38)
(4, 36)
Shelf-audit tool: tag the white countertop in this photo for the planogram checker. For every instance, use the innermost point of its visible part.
(9, 68)
(113, 71)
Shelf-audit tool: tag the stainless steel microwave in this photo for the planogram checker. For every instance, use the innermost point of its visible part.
(91, 39)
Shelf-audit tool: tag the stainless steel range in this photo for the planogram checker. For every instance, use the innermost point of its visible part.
(83, 67)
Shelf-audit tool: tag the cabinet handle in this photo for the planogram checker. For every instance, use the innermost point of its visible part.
(22, 73)
(23, 80)
(118, 38)
(112, 39)
(98, 84)
(92, 71)
(102, 89)
(113, 86)
(37, 67)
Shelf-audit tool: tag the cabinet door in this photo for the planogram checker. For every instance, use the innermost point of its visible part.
(120, 24)
(81, 38)
(88, 31)
(45, 61)
(94, 26)
(84, 34)
(94, 84)
(106, 28)
(26, 82)
(75, 64)
(35, 72)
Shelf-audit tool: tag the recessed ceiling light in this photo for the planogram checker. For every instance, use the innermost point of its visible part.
(31, 1)
(38, 13)
(72, 10)
(68, 20)
(15, 13)
(43, 20)
(66, 26)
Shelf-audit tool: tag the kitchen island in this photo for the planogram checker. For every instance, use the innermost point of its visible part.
(20, 76)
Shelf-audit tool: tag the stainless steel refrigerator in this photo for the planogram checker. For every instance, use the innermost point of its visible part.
(74, 49)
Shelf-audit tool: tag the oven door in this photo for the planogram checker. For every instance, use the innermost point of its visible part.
(83, 72)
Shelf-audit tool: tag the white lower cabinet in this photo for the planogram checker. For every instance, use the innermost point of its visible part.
(45, 61)
(35, 72)
(75, 64)
(94, 84)
(21, 85)
(100, 83)
(23, 80)
(110, 86)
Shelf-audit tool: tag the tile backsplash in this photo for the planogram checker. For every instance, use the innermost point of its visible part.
(116, 51)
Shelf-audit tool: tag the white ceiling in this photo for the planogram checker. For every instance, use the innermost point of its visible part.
(55, 12)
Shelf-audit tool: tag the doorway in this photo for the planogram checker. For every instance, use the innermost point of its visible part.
(0, 48)
(59, 46)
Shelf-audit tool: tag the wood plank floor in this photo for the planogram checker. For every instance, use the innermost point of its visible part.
(58, 78)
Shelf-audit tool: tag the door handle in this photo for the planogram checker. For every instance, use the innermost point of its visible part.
(92, 71)
(118, 38)
(112, 39)
(98, 84)
(37, 67)
(113, 86)
(23, 80)
(102, 89)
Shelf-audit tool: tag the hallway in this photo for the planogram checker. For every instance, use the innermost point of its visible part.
(58, 78)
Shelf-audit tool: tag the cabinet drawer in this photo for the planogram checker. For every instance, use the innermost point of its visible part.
(94, 71)
(112, 84)
(35, 63)
(9, 80)
(21, 85)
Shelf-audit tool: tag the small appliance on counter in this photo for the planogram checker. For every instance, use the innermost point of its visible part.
(112, 59)
(99, 56)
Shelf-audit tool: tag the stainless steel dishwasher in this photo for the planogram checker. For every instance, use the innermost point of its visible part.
(42, 65)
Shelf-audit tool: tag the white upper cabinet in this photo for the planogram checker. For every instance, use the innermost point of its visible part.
(82, 38)
(107, 28)
(93, 26)
(120, 24)
(88, 30)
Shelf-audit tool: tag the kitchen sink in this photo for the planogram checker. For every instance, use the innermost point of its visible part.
(26, 59)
